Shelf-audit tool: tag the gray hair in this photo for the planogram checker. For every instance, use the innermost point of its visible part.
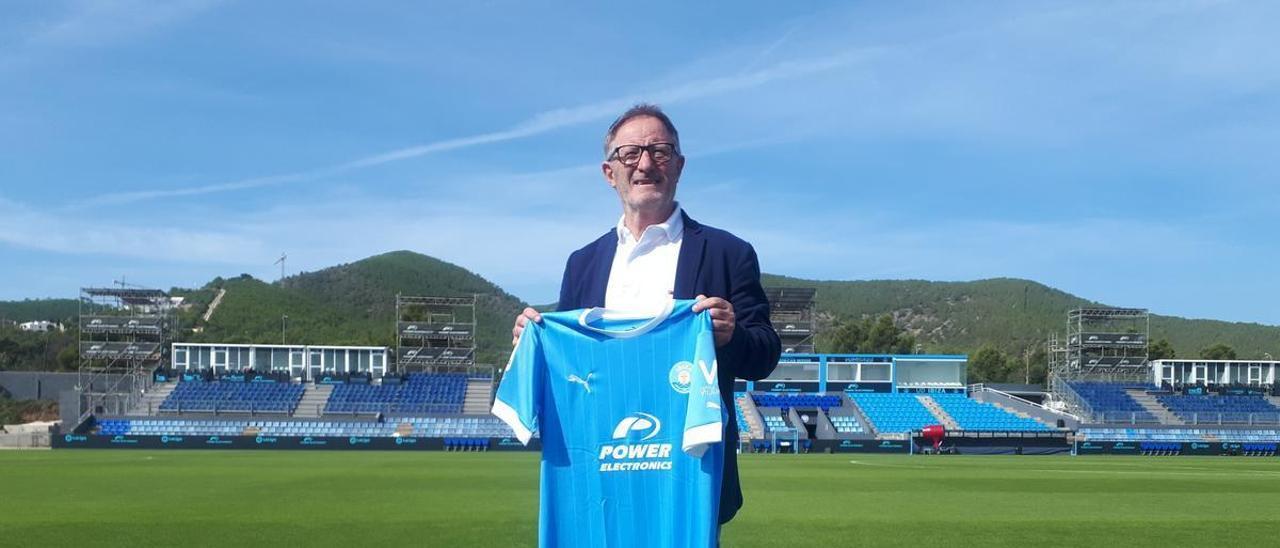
(641, 109)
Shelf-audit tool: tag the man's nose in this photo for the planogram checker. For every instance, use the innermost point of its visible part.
(646, 163)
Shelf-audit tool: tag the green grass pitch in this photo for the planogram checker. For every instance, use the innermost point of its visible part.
(364, 498)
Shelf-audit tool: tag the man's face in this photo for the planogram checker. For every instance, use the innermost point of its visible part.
(648, 186)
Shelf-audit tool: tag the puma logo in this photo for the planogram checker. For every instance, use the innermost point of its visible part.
(584, 382)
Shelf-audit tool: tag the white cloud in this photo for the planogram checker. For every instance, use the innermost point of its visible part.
(540, 123)
(24, 226)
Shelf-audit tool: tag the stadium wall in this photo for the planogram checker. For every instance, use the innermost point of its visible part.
(37, 385)
(48, 386)
(978, 445)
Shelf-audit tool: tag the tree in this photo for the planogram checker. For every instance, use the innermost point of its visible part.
(882, 336)
(1218, 351)
(1161, 350)
(847, 337)
(989, 364)
(69, 358)
(864, 336)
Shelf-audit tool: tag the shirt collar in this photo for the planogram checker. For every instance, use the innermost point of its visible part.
(673, 227)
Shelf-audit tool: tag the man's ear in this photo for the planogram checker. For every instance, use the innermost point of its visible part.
(607, 170)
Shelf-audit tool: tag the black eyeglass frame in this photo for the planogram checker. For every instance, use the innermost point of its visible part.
(650, 148)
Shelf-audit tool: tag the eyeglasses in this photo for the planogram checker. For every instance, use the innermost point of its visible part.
(629, 155)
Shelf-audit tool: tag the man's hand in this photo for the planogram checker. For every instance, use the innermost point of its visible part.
(723, 320)
(525, 317)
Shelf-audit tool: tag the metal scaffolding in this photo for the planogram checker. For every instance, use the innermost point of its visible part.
(1103, 344)
(435, 333)
(124, 335)
(791, 310)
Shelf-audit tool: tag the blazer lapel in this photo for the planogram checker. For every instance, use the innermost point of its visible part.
(599, 284)
(689, 264)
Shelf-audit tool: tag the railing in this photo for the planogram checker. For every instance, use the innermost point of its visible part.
(1198, 418)
(1126, 417)
(1073, 398)
(252, 408)
(365, 408)
(1016, 400)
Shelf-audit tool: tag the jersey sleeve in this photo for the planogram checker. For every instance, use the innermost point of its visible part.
(518, 401)
(704, 418)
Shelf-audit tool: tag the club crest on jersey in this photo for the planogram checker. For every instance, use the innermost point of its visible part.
(681, 377)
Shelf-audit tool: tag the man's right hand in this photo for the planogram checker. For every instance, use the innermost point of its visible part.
(525, 317)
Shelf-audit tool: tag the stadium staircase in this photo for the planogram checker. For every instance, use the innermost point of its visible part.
(1153, 406)
(313, 400)
(1275, 400)
(479, 398)
(858, 412)
(749, 412)
(150, 403)
(938, 412)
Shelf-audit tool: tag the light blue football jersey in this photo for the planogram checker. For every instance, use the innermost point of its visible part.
(631, 423)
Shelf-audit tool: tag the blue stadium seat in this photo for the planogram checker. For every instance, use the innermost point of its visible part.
(970, 414)
(1220, 409)
(421, 393)
(893, 413)
(1110, 402)
(223, 396)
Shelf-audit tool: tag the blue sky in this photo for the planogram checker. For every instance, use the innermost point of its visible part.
(1124, 152)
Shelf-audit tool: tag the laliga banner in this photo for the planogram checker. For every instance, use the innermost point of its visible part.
(1183, 448)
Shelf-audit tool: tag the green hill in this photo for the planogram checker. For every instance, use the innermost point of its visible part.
(355, 304)
(57, 310)
(1009, 313)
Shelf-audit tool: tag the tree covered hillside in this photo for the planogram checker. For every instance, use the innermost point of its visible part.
(55, 310)
(355, 304)
(1007, 313)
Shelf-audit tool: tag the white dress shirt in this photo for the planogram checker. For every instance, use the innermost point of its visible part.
(643, 276)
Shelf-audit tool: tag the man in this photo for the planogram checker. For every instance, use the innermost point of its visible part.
(657, 252)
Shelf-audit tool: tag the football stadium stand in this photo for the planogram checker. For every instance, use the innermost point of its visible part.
(792, 401)
(459, 427)
(775, 423)
(847, 424)
(743, 425)
(858, 404)
(1109, 402)
(1208, 435)
(974, 415)
(1221, 409)
(222, 396)
(434, 427)
(894, 413)
(421, 393)
(233, 427)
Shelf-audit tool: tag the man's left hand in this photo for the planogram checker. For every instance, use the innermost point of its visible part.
(722, 319)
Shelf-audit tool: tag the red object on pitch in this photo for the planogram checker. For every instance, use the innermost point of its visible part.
(935, 433)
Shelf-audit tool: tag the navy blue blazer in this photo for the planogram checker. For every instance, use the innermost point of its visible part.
(714, 263)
